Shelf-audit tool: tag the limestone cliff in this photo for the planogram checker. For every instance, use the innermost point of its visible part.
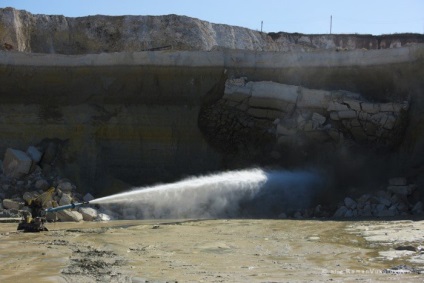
(221, 98)
(23, 31)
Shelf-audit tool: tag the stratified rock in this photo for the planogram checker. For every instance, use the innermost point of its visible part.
(88, 213)
(16, 163)
(69, 216)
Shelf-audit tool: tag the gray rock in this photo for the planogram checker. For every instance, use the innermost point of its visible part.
(29, 196)
(350, 213)
(65, 199)
(385, 201)
(69, 216)
(298, 215)
(65, 186)
(282, 216)
(350, 203)
(340, 212)
(417, 209)
(88, 197)
(400, 190)
(88, 213)
(11, 204)
(16, 163)
(42, 184)
(34, 154)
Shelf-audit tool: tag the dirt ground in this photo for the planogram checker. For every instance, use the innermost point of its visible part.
(214, 251)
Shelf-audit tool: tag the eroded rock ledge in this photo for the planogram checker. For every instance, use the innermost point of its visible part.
(296, 116)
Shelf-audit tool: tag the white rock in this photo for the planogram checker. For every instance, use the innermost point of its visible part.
(34, 154)
(69, 216)
(88, 213)
(11, 204)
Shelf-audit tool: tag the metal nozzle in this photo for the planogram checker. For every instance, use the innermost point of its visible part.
(67, 206)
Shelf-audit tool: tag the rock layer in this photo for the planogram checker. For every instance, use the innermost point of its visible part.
(23, 31)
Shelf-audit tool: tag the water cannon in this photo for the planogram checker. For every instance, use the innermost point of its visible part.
(67, 206)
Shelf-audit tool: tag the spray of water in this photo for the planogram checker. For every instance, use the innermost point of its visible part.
(245, 193)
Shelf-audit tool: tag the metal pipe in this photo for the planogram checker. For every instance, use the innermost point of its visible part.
(63, 207)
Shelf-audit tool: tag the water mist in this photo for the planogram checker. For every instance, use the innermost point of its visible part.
(244, 193)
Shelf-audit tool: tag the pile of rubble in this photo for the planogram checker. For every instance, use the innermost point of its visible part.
(29, 176)
(399, 199)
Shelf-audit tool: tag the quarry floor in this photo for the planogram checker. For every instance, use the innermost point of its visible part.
(213, 251)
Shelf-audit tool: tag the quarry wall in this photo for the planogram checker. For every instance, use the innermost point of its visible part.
(220, 97)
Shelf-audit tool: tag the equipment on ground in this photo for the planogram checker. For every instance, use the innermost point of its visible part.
(34, 221)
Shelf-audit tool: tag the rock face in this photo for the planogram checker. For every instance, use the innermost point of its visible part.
(297, 115)
(23, 31)
(221, 98)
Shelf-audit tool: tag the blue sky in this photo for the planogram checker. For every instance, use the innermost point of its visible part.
(304, 16)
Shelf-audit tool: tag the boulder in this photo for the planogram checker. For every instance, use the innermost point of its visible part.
(11, 204)
(88, 197)
(350, 203)
(34, 154)
(400, 190)
(41, 184)
(69, 216)
(340, 212)
(88, 213)
(65, 187)
(16, 163)
(65, 199)
(29, 196)
(417, 209)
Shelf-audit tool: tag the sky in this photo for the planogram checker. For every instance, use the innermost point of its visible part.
(303, 16)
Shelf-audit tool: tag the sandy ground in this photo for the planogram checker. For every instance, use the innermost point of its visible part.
(213, 251)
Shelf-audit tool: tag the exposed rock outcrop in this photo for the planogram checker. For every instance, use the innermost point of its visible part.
(23, 31)
(296, 115)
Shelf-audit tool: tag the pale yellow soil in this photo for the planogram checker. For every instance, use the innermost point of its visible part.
(202, 251)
